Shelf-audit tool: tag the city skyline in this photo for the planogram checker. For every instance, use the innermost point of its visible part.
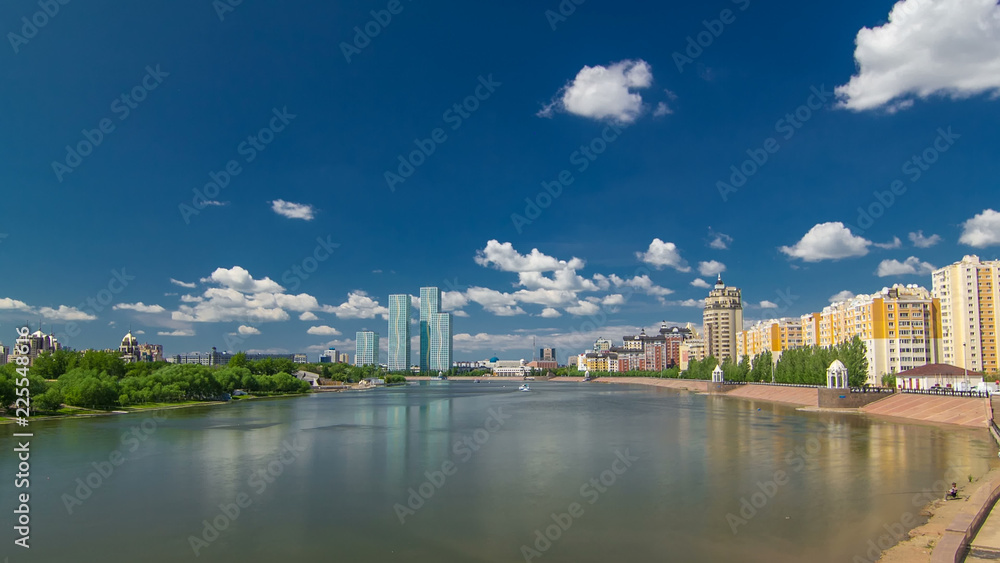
(799, 164)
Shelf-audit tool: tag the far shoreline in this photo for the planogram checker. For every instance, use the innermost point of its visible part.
(91, 413)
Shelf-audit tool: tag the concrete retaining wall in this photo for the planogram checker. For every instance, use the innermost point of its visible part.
(845, 399)
(717, 388)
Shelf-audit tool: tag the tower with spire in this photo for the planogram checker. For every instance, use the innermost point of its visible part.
(723, 318)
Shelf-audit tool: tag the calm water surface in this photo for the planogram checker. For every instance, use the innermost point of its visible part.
(330, 477)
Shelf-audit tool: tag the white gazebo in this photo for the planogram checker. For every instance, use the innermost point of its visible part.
(836, 375)
(717, 375)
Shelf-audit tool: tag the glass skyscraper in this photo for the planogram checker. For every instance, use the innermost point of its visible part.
(441, 342)
(399, 332)
(430, 305)
(367, 350)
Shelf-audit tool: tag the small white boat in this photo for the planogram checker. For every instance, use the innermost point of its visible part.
(524, 388)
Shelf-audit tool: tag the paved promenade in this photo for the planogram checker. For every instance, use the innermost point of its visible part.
(802, 396)
(962, 411)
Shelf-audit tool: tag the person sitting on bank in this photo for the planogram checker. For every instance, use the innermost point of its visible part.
(953, 493)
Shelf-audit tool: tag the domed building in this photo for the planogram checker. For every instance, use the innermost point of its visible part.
(129, 348)
(131, 351)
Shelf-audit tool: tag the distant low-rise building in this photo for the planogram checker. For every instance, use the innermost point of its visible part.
(311, 378)
(939, 375)
(507, 367)
(606, 361)
(542, 365)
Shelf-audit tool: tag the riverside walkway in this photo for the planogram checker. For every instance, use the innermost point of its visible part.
(985, 545)
(962, 411)
(802, 396)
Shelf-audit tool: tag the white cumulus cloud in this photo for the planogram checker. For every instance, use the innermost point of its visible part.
(323, 330)
(358, 306)
(239, 278)
(179, 332)
(711, 268)
(14, 304)
(844, 295)
(502, 256)
(828, 241)
(893, 244)
(911, 267)
(64, 313)
(245, 330)
(920, 241)
(292, 210)
(605, 93)
(949, 48)
(139, 307)
(183, 284)
(661, 254)
(982, 230)
(719, 241)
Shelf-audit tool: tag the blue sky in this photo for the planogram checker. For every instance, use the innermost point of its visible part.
(338, 110)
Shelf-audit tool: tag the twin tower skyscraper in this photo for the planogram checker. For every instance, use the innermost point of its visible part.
(435, 332)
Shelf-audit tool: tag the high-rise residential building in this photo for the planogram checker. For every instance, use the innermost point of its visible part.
(810, 329)
(399, 332)
(547, 354)
(430, 305)
(440, 342)
(969, 291)
(900, 327)
(723, 318)
(367, 349)
(774, 336)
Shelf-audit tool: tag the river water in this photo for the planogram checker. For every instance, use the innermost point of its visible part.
(459, 471)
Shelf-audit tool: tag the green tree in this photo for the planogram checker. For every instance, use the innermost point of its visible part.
(239, 360)
(8, 376)
(51, 365)
(888, 380)
(89, 388)
(854, 356)
(107, 362)
(49, 401)
(762, 367)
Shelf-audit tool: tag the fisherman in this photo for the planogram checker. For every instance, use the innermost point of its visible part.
(953, 493)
